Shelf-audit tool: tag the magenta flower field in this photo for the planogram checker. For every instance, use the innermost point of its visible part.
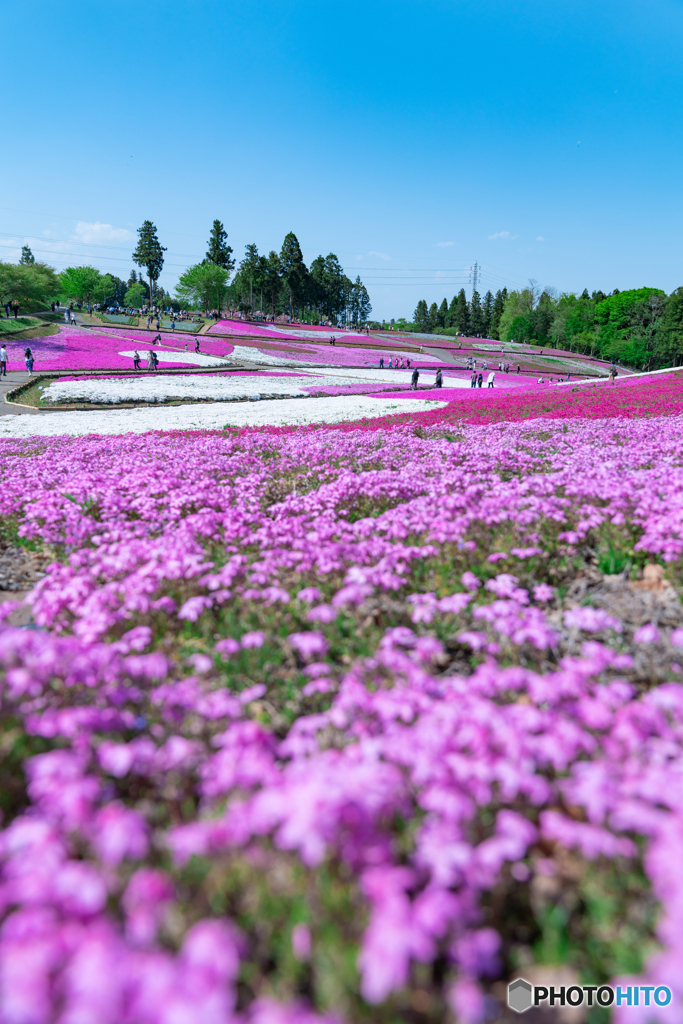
(345, 724)
(81, 349)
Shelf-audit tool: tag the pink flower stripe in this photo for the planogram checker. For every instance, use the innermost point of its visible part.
(80, 348)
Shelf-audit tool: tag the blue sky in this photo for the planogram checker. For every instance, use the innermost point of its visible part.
(543, 140)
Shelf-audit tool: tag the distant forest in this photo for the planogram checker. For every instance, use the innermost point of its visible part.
(642, 327)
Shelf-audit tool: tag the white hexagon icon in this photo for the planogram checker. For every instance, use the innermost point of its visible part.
(519, 995)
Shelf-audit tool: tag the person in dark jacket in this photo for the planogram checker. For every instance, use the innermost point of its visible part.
(414, 379)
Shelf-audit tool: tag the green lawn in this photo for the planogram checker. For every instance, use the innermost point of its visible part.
(22, 323)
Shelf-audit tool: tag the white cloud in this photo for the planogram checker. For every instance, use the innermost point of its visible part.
(444, 245)
(540, 238)
(380, 255)
(503, 234)
(101, 233)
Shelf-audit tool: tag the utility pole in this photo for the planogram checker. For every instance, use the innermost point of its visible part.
(475, 275)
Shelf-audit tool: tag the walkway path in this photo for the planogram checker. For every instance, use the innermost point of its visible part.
(13, 380)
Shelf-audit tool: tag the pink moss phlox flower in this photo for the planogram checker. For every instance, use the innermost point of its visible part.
(592, 620)
(308, 644)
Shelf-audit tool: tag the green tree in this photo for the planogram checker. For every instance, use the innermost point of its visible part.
(108, 289)
(272, 279)
(364, 306)
(496, 313)
(433, 317)
(135, 295)
(26, 255)
(461, 319)
(149, 253)
(293, 269)
(79, 283)
(219, 252)
(669, 337)
(421, 317)
(203, 285)
(442, 315)
(517, 303)
(487, 314)
(28, 284)
(248, 270)
(476, 316)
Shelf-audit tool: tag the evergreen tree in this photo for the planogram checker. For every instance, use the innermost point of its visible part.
(452, 312)
(27, 256)
(462, 314)
(248, 272)
(421, 317)
(496, 313)
(273, 279)
(487, 313)
(149, 253)
(219, 252)
(433, 317)
(293, 269)
(476, 316)
(364, 305)
(584, 294)
(442, 314)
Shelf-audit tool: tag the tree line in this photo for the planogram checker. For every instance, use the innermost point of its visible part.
(476, 318)
(276, 283)
(641, 327)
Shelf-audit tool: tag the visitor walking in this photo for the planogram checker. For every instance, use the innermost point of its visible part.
(155, 360)
(414, 379)
(136, 360)
(150, 359)
(480, 380)
(28, 356)
(3, 361)
(490, 379)
(15, 307)
(8, 308)
(439, 379)
(473, 379)
(381, 362)
(196, 344)
(408, 363)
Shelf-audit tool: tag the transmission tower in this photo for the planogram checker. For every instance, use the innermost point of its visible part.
(475, 275)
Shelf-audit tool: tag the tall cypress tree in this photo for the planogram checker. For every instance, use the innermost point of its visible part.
(219, 252)
(149, 253)
(452, 313)
(496, 313)
(442, 314)
(462, 314)
(433, 317)
(293, 268)
(421, 317)
(476, 316)
(487, 313)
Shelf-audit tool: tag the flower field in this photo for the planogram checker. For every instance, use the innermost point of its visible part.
(344, 724)
(81, 349)
(150, 388)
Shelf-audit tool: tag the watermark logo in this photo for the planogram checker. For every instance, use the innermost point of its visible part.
(522, 995)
